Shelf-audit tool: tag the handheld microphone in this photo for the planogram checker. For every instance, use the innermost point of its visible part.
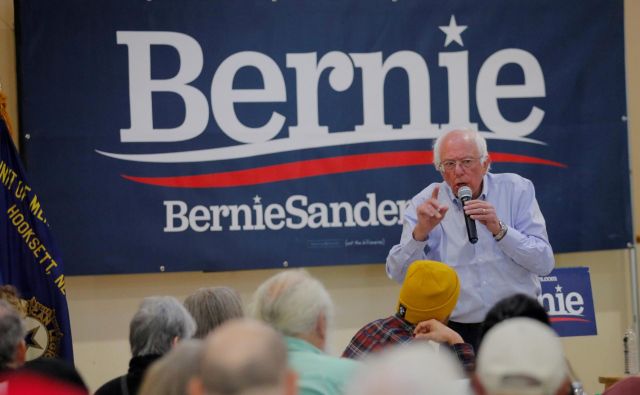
(464, 194)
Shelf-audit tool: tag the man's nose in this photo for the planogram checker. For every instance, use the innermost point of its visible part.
(459, 168)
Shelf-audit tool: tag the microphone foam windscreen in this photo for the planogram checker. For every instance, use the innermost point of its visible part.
(464, 192)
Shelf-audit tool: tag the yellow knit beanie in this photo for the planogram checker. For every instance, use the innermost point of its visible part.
(430, 290)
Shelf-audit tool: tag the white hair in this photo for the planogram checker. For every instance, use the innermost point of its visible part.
(158, 321)
(480, 141)
(410, 368)
(292, 302)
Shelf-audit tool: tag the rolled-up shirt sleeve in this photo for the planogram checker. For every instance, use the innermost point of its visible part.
(526, 241)
(409, 249)
(401, 255)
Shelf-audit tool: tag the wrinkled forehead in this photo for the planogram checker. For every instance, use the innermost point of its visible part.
(458, 146)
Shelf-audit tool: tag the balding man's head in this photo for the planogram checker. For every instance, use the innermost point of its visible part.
(244, 357)
(296, 304)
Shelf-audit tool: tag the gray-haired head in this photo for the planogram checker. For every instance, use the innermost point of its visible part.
(411, 368)
(292, 302)
(245, 356)
(170, 374)
(12, 333)
(157, 323)
(480, 142)
(212, 306)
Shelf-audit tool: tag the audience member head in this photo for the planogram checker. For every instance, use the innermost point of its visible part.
(518, 305)
(170, 375)
(244, 357)
(59, 370)
(212, 306)
(430, 291)
(411, 368)
(158, 324)
(521, 356)
(296, 304)
(13, 349)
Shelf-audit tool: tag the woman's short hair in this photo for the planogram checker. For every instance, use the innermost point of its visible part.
(212, 306)
(158, 321)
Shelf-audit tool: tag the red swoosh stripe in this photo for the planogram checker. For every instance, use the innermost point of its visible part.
(315, 167)
(567, 319)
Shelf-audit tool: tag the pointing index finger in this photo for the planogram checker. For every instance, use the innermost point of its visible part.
(434, 194)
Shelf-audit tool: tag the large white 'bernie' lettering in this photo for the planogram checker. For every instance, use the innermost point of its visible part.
(308, 132)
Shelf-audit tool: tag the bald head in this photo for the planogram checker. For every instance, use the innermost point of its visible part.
(244, 357)
(296, 304)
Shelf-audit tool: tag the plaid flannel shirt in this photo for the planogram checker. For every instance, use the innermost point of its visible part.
(394, 330)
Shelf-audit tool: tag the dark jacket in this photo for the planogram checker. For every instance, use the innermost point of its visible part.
(130, 382)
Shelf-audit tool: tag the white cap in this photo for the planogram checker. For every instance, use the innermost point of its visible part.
(413, 368)
(521, 356)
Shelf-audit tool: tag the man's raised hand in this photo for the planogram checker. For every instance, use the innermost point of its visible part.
(429, 215)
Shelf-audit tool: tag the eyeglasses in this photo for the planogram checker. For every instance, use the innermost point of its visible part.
(450, 165)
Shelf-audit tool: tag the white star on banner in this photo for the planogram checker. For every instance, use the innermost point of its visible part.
(453, 32)
(558, 288)
(257, 199)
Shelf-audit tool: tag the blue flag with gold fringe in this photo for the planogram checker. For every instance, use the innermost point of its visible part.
(30, 261)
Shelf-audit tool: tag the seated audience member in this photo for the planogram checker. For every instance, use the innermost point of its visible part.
(13, 349)
(521, 356)
(518, 305)
(56, 369)
(409, 369)
(159, 323)
(627, 386)
(427, 298)
(521, 305)
(31, 383)
(212, 306)
(171, 374)
(300, 307)
(244, 357)
(14, 379)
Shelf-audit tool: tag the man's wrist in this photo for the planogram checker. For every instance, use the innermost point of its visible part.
(502, 232)
(419, 235)
(454, 339)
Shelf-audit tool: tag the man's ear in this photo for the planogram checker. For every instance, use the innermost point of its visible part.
(175, 341)
(20, 356)
(321, 327)
(195, 386)
(291, 382)
(486, 164)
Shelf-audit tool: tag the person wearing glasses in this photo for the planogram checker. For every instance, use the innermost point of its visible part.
(512, 249)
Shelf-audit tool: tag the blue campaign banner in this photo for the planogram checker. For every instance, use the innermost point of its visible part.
(224, 135)
(566, 295)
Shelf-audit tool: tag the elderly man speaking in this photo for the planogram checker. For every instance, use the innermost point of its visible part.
(512, 247)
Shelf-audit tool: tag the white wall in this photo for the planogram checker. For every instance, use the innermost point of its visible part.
(101, 306)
